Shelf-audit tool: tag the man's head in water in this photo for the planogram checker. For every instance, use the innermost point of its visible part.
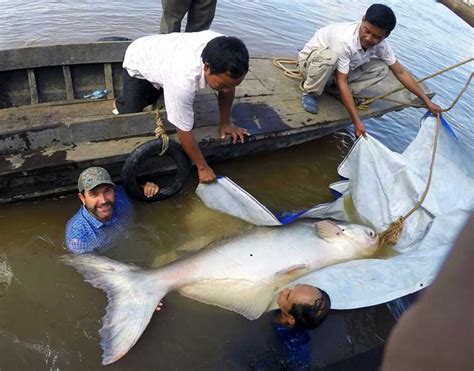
(303, 306)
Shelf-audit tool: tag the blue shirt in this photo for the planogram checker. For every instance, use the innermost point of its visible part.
(86, 234)
(295, 345)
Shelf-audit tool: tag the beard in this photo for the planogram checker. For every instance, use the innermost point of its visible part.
(102, 212)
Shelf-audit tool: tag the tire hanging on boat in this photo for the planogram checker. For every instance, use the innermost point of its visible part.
(147, 150)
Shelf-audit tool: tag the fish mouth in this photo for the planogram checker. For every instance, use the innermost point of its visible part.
(374, 247)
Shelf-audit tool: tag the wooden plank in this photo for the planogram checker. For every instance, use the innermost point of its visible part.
(60, 55)
(109, 81)
(33, 87)
(68, 83)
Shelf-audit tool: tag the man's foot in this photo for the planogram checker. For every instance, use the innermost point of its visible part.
(115, 110)
(310, 103)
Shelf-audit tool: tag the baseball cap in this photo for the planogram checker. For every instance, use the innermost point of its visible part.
(92, 177)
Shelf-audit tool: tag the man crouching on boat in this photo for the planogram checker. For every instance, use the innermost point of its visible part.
(179, 64)
(105, 212)
(360, 57)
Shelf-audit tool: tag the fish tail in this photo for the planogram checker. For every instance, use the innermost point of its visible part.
(133, 295)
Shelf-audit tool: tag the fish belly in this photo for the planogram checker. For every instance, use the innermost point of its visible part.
(243, 273)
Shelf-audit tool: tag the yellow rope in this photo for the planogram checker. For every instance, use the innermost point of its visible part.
(365, 104)
(160, 132)
(292, 73)
(392, 234)
(289, 72)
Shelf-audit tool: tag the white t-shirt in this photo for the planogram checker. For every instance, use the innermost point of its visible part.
(173, 62)
(343, 39)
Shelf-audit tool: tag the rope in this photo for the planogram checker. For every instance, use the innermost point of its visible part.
(292, 73)
(160, 133)
(368, 100)
(289, 72)
(392, 234)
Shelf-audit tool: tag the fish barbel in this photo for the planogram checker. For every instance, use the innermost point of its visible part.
(241, 274)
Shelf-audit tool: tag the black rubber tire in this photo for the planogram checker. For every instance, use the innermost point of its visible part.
(149, 149)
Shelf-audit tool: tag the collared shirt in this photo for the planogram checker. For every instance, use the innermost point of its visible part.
(171, 61)
(343, 39)
(86, 234)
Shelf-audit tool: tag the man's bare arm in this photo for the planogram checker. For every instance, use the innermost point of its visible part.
(225, 100)
(348, 102)
(190, 146)
(409, 82)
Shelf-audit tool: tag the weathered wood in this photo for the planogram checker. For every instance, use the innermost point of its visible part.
(33, 86)
(462, 8)
(43, 146)
(109, 82)
(68, 83)
(59, 55)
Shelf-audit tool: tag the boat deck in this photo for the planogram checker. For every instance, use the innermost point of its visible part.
(44, 146)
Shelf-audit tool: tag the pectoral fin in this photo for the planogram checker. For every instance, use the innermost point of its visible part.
(294, 269)
(327, 230)
(247, 298)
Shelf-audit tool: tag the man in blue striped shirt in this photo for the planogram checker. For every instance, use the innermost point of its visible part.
(105, 212)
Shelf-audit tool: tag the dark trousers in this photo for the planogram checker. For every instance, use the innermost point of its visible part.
(136, 94)
(200, 15)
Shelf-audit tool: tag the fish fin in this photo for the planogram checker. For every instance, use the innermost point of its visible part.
(296, 268)
(327, 230)
(132, 299)
(248, 298)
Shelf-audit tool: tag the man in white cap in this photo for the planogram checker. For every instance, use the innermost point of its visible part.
(105, 212)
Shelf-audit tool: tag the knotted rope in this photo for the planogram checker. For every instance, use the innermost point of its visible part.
(160, 133)
(392, 234)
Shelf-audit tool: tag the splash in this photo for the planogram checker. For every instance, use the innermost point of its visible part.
(6, 274)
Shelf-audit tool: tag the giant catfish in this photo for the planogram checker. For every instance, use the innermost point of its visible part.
(241, 274)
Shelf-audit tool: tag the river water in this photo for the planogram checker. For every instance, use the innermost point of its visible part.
(49, 318)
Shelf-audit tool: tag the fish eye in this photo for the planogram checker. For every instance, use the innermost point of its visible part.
(371, 234)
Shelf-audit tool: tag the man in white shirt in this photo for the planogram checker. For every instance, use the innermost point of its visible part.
(178, 65)
(354, 56)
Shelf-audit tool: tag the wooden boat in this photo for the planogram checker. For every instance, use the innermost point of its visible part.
(462, 8)
(49, 133)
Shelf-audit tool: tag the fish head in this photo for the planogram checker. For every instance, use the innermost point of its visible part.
(363, 239)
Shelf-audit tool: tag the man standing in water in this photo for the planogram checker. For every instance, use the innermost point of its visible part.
(360, 57)
(200, 15)
(105, 212)
(179, 64)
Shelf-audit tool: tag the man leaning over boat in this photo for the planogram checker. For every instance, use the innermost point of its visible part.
(179, 64)
(353, 56)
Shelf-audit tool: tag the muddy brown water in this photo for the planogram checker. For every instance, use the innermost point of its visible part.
(49, 318)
